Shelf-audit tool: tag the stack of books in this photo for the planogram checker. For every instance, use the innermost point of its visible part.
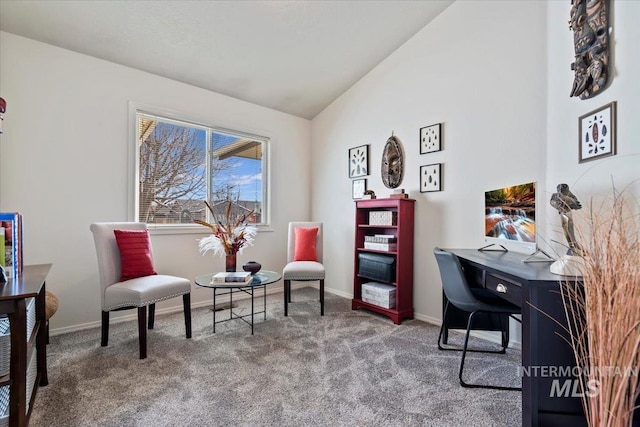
(381, 242)
(232, 277)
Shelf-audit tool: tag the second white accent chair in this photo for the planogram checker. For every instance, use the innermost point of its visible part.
(303, 270)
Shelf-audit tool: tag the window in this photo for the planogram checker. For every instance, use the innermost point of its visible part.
(181, 164)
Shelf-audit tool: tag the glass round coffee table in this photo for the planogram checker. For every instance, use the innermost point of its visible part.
(260, 280)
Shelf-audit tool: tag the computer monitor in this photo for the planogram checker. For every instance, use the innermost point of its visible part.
(510, 217)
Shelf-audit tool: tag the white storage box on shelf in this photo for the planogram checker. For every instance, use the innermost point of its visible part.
(31, 316)
(379, 294)
(5, 335)
(5, 346)
(383, 218)
(32, 373)
(4, 406)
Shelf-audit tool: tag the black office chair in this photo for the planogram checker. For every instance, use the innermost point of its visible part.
(472, 300)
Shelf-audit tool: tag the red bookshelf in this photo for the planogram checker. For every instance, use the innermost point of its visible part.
(402, 229)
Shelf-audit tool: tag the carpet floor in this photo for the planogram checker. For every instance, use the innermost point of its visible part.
(346, 368)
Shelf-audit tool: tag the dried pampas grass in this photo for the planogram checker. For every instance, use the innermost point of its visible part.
(603, 314)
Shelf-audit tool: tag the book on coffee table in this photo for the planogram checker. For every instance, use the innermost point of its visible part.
(232, 277)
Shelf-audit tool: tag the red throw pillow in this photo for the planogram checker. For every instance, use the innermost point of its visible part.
(135, 253)
(305, 244)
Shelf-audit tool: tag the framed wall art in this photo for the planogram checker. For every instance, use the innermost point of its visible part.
(359, 161)
(430, 138)
(358, 187)
(597, 133)
(431, 178)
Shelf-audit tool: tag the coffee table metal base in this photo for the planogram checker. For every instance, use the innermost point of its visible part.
(249, 290)
(259, 280)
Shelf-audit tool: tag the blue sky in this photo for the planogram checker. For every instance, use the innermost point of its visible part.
(246, 173)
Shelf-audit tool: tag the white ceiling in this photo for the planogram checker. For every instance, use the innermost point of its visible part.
(292, 56)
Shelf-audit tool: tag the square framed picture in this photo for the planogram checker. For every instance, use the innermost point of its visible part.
(431, 178)
(358, 187)
(430, 138)
(359, 161)
(598, 133)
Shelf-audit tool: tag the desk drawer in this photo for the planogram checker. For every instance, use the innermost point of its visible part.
(511, 291)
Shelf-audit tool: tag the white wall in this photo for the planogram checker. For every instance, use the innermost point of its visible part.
(64, 164)
(479, 68)
(591, 179)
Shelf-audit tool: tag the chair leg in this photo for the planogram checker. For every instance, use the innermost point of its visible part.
(152, 315)
(442, 328)
(443, 334)
(322, 297)
(464, 354)
(287, 290)
(186, 302)
(464, 350)
(47, 332)
(105, 329)
(142, 331)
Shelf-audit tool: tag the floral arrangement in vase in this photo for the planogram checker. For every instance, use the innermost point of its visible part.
(227, 237)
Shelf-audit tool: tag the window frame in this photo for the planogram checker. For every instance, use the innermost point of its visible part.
(183, 118)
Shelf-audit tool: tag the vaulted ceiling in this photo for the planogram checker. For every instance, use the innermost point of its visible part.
(293, 56)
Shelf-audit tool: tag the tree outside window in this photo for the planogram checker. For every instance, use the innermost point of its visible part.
(181, 164)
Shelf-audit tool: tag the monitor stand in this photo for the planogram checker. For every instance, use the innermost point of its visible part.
(531, 258)
(486, 248)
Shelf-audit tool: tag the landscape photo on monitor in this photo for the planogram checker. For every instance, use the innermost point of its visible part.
(510, 213)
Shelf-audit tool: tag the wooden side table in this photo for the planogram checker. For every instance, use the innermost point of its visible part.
(13, 295)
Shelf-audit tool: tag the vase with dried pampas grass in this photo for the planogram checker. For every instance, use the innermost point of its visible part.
(603, 309)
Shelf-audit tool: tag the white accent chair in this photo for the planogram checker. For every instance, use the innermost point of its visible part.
(134, 293)
(303, 270)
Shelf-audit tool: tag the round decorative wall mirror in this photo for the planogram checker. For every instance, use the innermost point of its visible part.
(392, 168)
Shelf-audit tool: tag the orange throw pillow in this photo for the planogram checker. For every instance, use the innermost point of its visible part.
(135, 253)
(306, 244)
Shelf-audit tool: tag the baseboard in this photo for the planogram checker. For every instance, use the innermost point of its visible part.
(427, 319)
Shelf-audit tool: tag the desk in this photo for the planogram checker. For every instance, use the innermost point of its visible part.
(260, 279)
(533, 288)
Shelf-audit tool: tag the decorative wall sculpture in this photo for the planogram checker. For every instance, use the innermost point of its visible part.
(392, 168)
(590, 25)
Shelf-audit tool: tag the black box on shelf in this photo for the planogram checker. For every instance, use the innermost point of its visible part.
(378, 267)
